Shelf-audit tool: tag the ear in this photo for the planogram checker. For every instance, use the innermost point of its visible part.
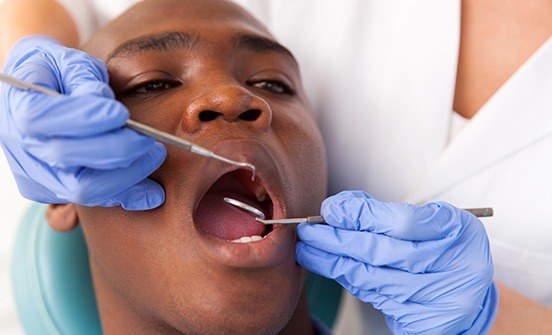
(62, 218)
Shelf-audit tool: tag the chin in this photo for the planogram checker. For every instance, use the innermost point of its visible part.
(252, 308)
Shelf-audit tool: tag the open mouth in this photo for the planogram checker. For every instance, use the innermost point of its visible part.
(213, 216)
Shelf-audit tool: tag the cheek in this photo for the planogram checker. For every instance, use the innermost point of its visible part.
(162, 112)
(301, 139)
(134, 255)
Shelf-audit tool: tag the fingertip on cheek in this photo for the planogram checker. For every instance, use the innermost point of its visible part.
(305, 232)
(303, 256)
(157, 154)
(161, 149)
(300, 228)
(336, 201)
(327, 202)
(298, 247)
(306, 251)
(93, 88)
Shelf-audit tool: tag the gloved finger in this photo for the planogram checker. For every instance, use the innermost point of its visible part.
(384, 303)
(36, 114)
(37, 70)
(116, 149)
(475, 315)
(416, 322)
(72, 71)
(145, 195)
(407, 323)
(376, 249)
(31, 189)
(358, 211)
(67, 69)
(91, 186)
(82, 73)
(400, 285)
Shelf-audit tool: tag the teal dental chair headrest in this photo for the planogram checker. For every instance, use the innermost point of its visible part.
(51, 279)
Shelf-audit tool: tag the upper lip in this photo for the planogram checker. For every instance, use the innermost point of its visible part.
(267, 170)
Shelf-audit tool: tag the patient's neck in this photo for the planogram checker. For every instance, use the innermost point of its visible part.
(300, 322)
(120, 320)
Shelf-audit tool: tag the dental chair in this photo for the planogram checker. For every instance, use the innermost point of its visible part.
(53, 288)
(51, 279)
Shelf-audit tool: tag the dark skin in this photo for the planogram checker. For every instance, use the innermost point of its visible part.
(497, 38)
(207, 72)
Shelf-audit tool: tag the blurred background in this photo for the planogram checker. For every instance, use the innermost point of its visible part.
(12, 208)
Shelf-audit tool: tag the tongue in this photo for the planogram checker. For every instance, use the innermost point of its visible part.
(215, 217)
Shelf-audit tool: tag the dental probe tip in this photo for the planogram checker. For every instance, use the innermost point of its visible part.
(248, 166)
(253, 171)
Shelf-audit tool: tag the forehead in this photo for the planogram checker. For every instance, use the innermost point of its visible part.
(214, 20)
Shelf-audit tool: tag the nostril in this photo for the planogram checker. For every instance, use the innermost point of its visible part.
(208, 115)
(250, 115)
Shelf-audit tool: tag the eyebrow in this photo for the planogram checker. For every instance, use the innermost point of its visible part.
(261, 44)
(171, 41)
(161, 42)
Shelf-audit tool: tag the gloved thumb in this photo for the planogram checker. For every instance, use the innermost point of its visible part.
(145, 195)
(359, 211)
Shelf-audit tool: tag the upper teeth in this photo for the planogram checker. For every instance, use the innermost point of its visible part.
(260, 193)
(247, 239)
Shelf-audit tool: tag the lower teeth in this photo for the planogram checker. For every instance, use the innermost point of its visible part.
(247, 239)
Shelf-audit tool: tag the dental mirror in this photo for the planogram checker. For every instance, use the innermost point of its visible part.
(250, 209)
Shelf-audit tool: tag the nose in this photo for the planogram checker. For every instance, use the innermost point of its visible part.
(227, 103)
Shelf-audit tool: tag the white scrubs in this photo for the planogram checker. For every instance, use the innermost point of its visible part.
(381, 76)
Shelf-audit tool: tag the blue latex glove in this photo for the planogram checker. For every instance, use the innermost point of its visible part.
(428, 268)
(73, 148)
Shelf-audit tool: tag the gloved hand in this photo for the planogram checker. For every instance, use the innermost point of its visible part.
(427, 268)
(73, 148)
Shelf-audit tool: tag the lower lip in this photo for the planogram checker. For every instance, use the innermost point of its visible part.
(276, 247)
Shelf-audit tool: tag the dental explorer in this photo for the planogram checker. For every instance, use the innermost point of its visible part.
(259, 216)
(159, 135)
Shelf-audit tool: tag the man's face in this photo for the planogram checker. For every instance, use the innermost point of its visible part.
(207, 72)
